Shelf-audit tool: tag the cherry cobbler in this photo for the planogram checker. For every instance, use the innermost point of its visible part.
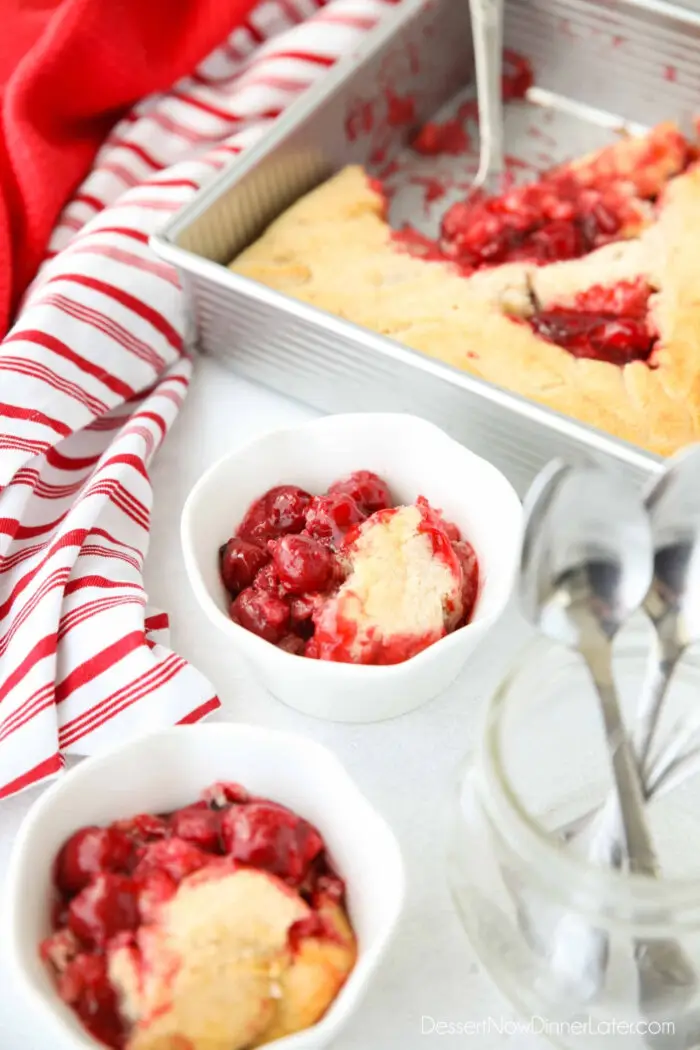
(578, 290)
(220, 926)
(347, 575)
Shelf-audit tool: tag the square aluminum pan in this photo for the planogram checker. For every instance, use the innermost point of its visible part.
(600, 66)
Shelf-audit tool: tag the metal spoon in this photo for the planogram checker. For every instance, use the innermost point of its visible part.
(673, 606)
(672, 603)
(585, 568)
(673, 600)
(487, 34)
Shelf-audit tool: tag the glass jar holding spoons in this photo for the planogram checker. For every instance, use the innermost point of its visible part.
(575, 855)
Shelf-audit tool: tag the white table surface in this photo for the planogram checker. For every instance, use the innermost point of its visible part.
(404, 766)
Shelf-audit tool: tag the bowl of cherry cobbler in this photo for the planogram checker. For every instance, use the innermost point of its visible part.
(354, 561)
(213, 887)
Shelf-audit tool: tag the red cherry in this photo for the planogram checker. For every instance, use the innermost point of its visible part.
(262, 614)
(304, 606)
(330, 517)
(608, 336)
(86, 987)
(89, 851)
(267, 835)
(303, 564)
(198, 824)
(268, 580)
(620, 340)
(104, 908)
(286, 508)
(240, 561)
(279, 511)
(143, 828)
(368, 490)
(253, 528)
(175, 857)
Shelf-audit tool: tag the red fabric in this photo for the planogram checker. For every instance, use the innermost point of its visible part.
(68, 71)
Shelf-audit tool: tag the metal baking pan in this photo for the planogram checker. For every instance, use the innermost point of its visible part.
(600, 66)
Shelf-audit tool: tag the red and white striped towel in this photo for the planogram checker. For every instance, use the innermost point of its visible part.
(91, 378)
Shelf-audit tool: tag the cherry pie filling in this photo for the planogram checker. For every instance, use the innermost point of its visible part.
(110, 881)
(288, 557)
(565, 215)
(548, 221)
(604, 323)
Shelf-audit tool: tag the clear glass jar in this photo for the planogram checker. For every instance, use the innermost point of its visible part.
(539, 910)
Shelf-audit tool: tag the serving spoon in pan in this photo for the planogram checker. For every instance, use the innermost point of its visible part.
(487, 34)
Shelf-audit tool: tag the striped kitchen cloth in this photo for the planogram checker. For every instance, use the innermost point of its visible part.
(92, 376)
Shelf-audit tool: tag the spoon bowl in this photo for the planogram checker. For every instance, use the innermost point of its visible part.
(586, 554)
(673, 503)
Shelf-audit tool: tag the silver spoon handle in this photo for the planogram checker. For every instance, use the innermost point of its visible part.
(579, 952)
(662, 662)
(609, 834)
(620, 833)
(487, 34)
(664, 969)
(628, 787)
(676, 759)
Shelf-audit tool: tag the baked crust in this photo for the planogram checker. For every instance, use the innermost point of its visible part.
(334, 249)
(217, 970)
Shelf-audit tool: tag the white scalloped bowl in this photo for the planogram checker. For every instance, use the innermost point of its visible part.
(415, 458)
(169, 769)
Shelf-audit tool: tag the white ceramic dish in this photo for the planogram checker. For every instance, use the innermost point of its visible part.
(167, 770)
(416, 458)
